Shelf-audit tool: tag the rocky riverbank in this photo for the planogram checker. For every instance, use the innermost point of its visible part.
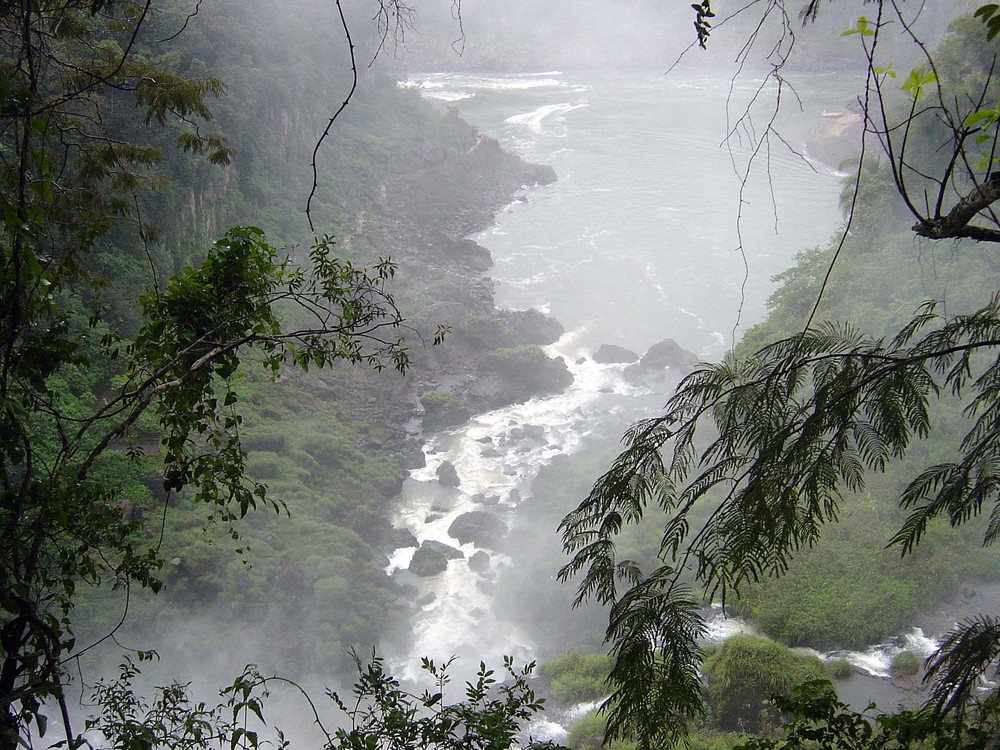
(490, 357)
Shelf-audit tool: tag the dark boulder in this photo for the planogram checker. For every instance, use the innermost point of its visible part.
(413, 457)
(479, 527)
(443, 410)
(445, 549)
(447, 475)
(533, 327)
(428, 562)
(431, 558)
(512, 376)
(609, 354)
(396, 538)
(471, 255)
(479, 562)
(528, 431)
(668, 353)
(483, 499)
(482, 333)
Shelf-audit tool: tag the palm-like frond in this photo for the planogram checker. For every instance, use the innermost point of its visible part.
(792, 427)
(968, 652)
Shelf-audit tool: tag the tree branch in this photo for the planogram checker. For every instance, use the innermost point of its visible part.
(955, 224)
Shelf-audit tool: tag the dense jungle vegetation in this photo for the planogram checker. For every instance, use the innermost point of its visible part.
(164, 375)
(136, 440)
(789, 503)
(319, 442)
(828, 595)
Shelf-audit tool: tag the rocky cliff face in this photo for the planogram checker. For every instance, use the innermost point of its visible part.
(491, 357)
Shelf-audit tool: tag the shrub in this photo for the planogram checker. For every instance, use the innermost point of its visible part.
(587, 733)
(576, 677)
(264, 440)
(841, 669)
(905, 664)
(746, 671)
(715, 741)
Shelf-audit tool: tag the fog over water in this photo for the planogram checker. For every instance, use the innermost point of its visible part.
(637, 241)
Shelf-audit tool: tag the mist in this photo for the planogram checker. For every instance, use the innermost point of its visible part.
(589, 204)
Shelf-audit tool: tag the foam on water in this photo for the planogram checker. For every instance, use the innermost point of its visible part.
(533, 120)
(449, 96)
(877, 660)
(719, 625)
(463, 82)
(544, 730)
(632, 244)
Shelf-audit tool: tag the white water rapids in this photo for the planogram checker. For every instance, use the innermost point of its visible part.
(496, 456)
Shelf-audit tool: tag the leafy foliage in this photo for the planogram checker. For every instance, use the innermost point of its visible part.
(988, 14)
(68, 528)
(793, 426)
(173, 719)
(819, 719)
(380, 714)
(384, 716)
(81, 400)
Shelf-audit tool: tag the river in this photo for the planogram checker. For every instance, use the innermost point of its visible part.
(651, 231)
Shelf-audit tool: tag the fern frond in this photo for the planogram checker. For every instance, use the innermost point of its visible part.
(968, 652)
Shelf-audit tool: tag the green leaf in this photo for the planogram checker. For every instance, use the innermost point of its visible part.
(982, 118)
(861, 27)
(916, 81)
(985, 12)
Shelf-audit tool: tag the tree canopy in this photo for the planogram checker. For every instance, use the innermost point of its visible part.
(89, 103)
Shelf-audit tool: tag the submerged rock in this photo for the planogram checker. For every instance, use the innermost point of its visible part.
(479, 527)
(529, 431)
(426, 599)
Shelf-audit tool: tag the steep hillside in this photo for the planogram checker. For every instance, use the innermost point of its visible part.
(396, 178)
